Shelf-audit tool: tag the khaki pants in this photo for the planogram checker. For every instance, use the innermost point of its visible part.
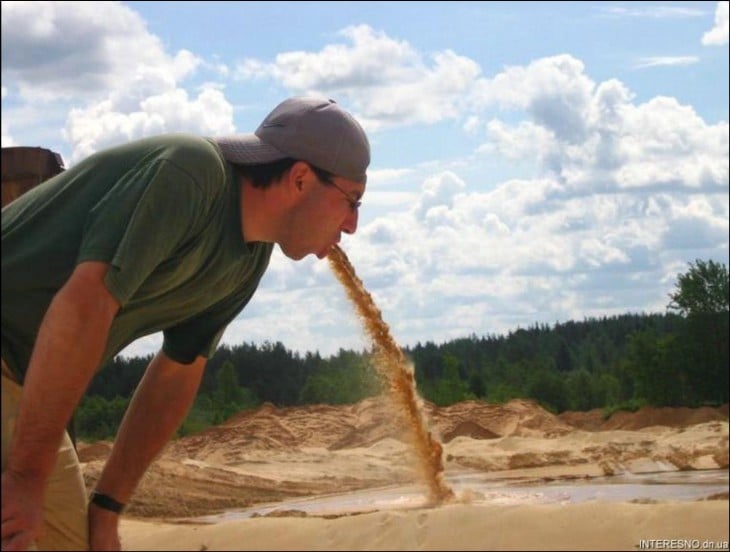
(65, 522)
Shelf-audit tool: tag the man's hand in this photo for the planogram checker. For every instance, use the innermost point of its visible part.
(22, 511)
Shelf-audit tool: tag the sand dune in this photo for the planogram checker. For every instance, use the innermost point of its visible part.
(275, 454)
(458, 527)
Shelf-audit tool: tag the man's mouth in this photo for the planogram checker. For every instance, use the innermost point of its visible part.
(324, 251)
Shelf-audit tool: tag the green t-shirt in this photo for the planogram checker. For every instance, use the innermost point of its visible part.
(164, 212)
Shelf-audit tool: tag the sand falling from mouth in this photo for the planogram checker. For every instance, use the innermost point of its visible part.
(396, 372)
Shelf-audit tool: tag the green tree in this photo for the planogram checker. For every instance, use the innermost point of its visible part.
(502, 393)
(228, 390)
(477, 387)
(199, 417)
(563, 358)
(450, 388)
(343, 379)
(656, 366)
(99, 418)
(548, 388)
(579, 390)
(606, 390)
(702, 296)
(703, 289)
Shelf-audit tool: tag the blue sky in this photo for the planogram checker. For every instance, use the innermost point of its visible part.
(533, 162)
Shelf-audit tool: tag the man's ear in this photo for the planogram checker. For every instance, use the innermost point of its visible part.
(298, 174)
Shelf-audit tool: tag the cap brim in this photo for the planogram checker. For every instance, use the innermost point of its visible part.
(247, 149)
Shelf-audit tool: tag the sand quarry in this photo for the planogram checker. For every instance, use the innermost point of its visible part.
(272, 455)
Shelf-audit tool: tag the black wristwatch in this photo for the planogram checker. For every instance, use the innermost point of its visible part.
(106, 502)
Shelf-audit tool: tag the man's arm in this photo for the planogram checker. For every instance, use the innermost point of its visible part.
(159, 405)
(67, 352)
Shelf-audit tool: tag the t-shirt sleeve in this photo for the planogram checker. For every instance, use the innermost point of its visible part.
(150, 212)
(200, 335)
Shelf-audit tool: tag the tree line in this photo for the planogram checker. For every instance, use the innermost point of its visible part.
(676, 358)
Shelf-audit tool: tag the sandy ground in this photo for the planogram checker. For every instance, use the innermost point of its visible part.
(273, 455)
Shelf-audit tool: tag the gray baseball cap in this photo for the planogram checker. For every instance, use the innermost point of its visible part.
(315, 130)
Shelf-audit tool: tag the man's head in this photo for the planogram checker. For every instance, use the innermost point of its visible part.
(315, 130)
(317, 155)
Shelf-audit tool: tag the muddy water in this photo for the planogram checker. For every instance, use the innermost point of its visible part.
(478, 488)
(397, 374)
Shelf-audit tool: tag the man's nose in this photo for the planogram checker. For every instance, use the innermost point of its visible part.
(350, 224)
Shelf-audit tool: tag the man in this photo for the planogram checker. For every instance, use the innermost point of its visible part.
(171, 234)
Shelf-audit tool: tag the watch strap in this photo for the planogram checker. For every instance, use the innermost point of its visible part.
(107, 502)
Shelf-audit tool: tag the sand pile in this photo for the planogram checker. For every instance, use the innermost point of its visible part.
(595, 420)
(363, 424)
(271, 454)
(479, 420)
(291, 428)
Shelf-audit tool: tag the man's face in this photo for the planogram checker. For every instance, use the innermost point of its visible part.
(324, 210)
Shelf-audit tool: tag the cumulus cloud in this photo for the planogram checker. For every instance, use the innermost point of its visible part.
(372, 59)
(438, 192)
(554, 91)
(55, 50)
(718, 35)
(624, 191)
(525, 252)
(458, 261)
(123, 83)
(522, 141)
(621, 193)
(593, 137)
(386, 80)
(103, 124)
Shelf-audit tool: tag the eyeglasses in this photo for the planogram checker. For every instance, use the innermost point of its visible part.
(354, 203)
(325, 179)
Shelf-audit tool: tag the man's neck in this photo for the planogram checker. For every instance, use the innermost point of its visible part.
(260, 212)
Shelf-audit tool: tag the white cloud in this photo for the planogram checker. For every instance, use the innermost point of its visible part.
(123, 83)
(622, 145)
(718, 35)
(387, 81)
(666, 60)
(525, 140)
(373, 58)
(61, 50)
(663, 143)
(472, 124)
(6, 140)
(103, 124)
(696, 222)
(526, 252)
(381, 177)
(620, 193)
(554, 91)
(438, 191)
(623, 190)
